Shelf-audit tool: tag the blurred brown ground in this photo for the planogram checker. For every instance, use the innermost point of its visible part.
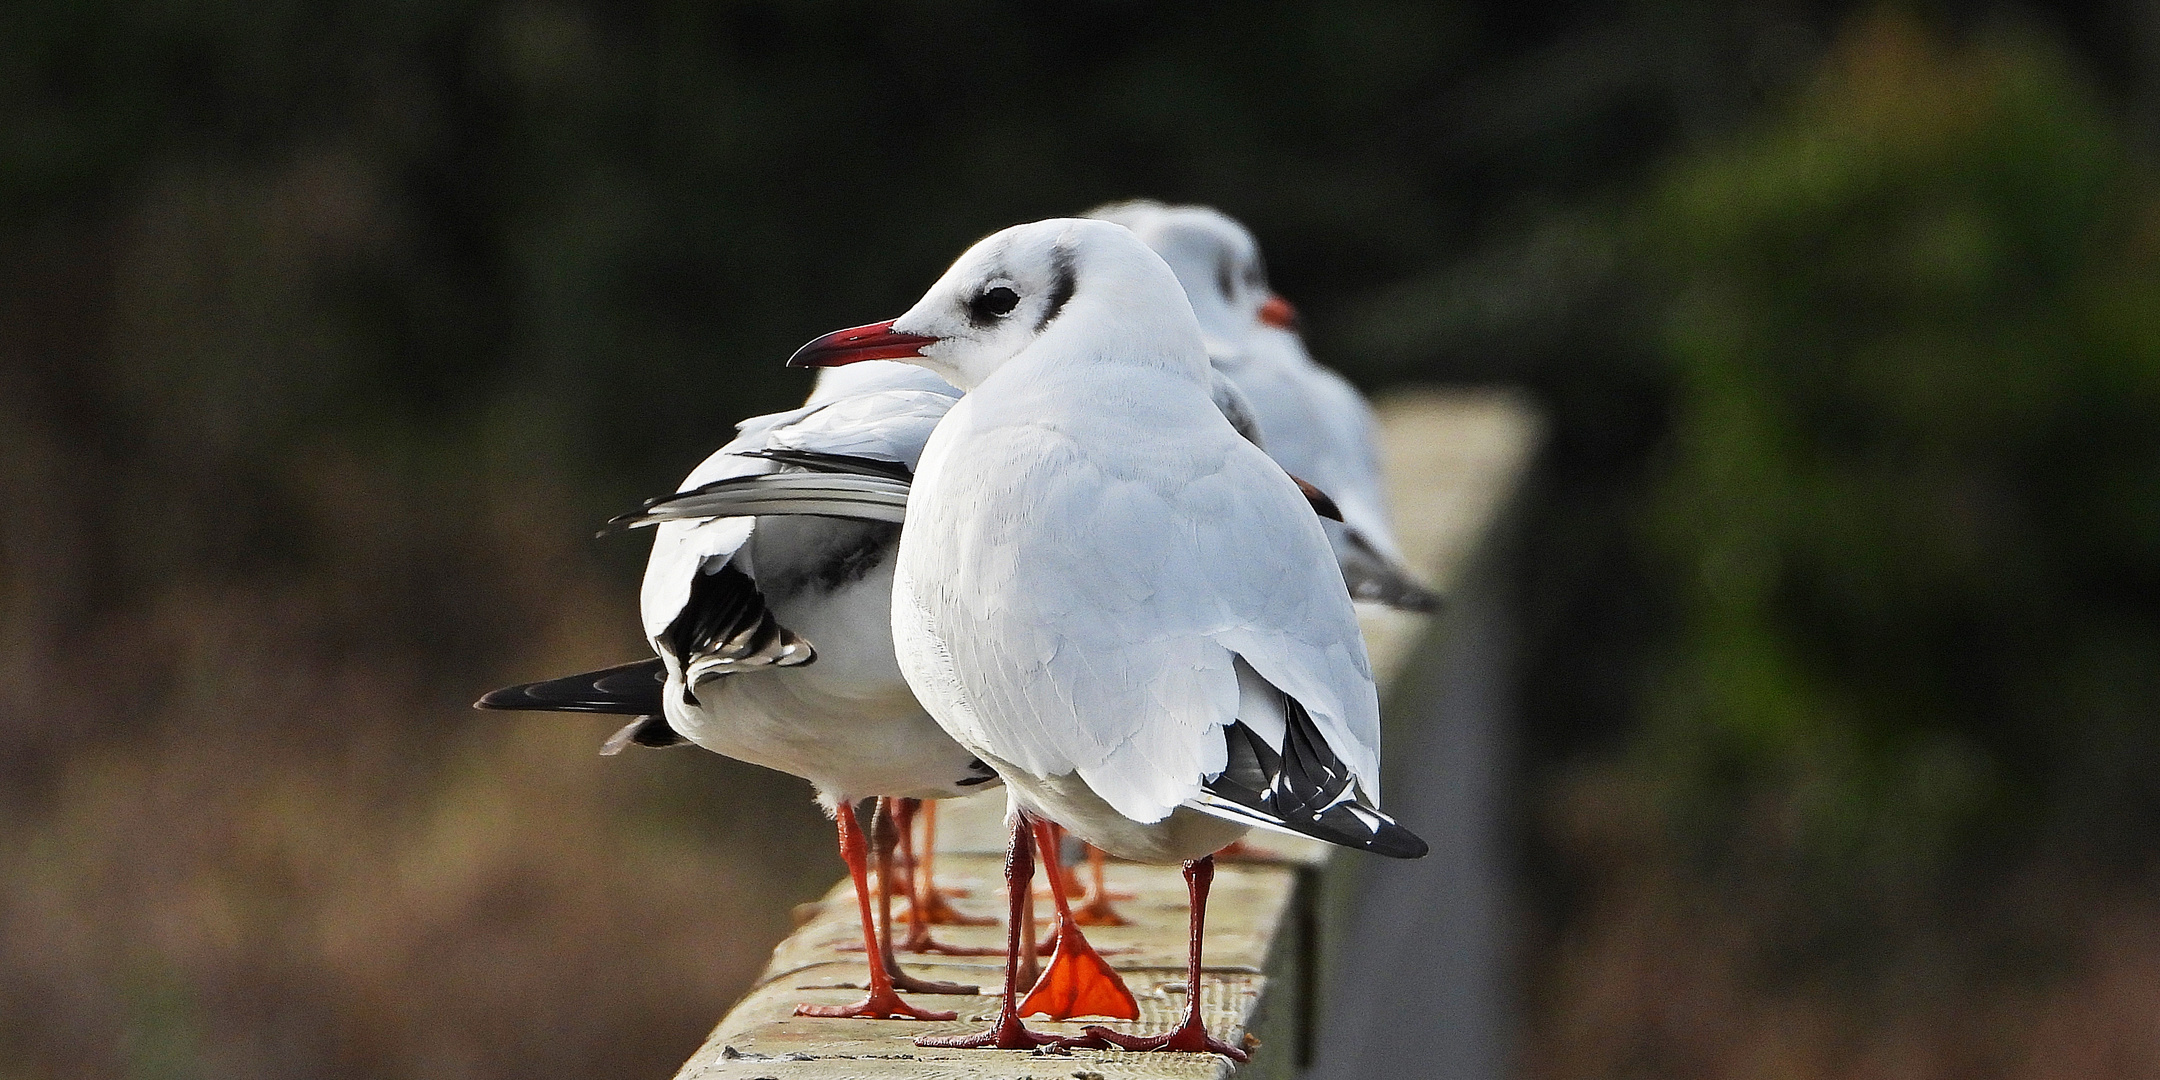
(1663, 975)
(252, 827)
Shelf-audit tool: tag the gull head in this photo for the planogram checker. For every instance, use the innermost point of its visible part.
(1089, 282)
(1215, 258)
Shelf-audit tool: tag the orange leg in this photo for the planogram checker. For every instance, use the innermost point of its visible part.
(1030, 951)
(1057, 872)
(1077, 982)
(926, 901)
(1008, 1033)
(903, 815)
(928, 809)
(884, 834)
(881, 1002)
(1190, 1036)
(1097, 911)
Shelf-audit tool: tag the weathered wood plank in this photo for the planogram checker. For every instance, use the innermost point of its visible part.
(1253, 903)
(1423, 946)
(1453, 460)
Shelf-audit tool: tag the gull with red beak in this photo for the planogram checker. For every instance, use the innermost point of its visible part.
(776, 552)
(1310, 419)
(1105, 593)
(766, 602)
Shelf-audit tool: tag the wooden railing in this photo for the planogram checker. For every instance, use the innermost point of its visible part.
(1283, 926)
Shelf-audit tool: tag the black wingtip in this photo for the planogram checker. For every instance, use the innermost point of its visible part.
(1302, 786)
(632, 689)
(807, 460)
(1322, 504)
(1376, 578)
(843, 464)
(1409, 846)
(629, 519)
(1361, 826)
(1368, 829)
(1415, 598)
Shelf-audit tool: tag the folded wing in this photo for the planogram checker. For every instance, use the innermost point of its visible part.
(1106, 609)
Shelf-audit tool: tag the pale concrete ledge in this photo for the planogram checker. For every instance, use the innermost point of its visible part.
(1455, 460)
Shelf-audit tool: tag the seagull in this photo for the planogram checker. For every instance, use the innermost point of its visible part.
(766, 604)
(1106, 594)
(1311, 420)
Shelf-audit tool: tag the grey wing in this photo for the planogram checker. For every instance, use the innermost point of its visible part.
(1235, 406)
(763, 472)
(864, 498)
(1108, 650)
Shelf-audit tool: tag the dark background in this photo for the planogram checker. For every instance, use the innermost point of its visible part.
(329, 330)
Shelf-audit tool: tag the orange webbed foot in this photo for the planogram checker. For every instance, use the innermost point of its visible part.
(1078, 982)
(1098, 912)
(937, 912)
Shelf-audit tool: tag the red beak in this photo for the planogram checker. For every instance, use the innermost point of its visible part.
(877, 341)
(1278, 313)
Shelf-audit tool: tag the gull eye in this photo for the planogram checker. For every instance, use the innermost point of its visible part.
(995, 303)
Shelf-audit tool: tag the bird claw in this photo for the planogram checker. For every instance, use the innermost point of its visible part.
(1007, 1034)
(903, 981)
(1188, 1037)
(876, 1006)
(923, 944)
(936, 912)
(1098, 912)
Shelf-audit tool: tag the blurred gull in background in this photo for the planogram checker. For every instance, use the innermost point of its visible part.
(1309, 419)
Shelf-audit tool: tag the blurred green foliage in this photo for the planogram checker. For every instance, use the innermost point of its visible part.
(622, 216)
(1911, 497)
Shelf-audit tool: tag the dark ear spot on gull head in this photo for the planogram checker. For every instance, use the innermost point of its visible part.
(1064, 278)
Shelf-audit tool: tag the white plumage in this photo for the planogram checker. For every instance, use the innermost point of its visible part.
(1107, 593)
(1123, 564)
(847, 722)
(1091, 553)
(1310, 419)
